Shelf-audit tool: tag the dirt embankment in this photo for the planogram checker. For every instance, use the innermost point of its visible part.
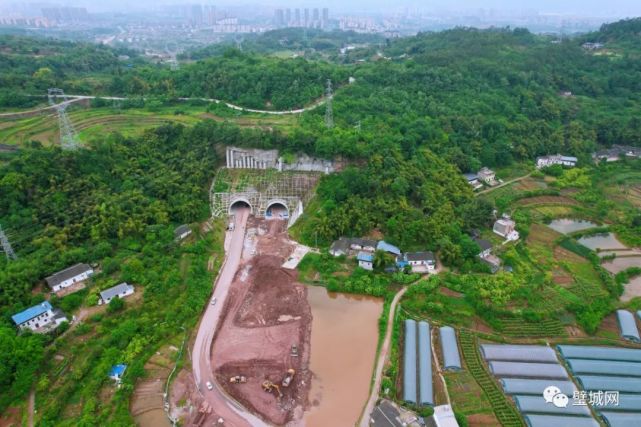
(265, 315)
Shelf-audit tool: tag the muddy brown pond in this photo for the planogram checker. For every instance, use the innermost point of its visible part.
(343, 351)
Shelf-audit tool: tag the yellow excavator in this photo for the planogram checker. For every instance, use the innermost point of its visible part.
(288, 378)
(269, 387)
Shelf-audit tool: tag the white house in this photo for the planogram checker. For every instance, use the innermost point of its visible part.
(486, 247)
(444, 416)
(365, 260)
(488, 176)
(182, 231)
(421, 261)
(362, 244)
(38, 316)
(69, 276)
(505, 227)
(545, 161)
(120, 291)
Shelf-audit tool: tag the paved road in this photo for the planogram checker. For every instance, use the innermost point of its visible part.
(232, 412)
(380, 363)
(74, 98)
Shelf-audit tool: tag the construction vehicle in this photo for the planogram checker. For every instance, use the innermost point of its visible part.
(288, 378)
(294, 352)
(238, 379)
(269, 387)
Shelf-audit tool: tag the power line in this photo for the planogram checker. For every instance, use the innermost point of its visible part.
(68, 138)
(6, 246)
(329, 112)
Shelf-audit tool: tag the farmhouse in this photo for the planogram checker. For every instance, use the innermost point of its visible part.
(488, 176)
(119, 291)
(38, 317)
(181, 232)
(365, 260)
(339, 247)
(505, 227)
(421, 261)
(616, 153)
(69, 276)
(473, 180)
(362, 245)
(545, 161)
(485, 245)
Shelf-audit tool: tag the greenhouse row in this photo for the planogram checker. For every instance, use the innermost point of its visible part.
(449, 347)
(524, 372)
(628, 326)
(613, 370)
(417, 362)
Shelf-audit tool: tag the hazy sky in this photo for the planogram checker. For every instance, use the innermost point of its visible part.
(575, 7)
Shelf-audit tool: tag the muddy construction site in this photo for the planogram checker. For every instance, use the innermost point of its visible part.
(265, 329)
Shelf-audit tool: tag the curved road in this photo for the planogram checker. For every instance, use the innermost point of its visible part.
(380, 363)
(223, 405)
(74, 98)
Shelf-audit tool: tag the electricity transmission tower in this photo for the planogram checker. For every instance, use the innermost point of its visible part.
(6, 246)
(329, 113)
(68, 138)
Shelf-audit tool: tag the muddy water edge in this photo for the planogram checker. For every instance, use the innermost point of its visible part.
(343, 351)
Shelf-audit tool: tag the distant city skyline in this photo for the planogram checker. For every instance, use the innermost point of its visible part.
(571, 7)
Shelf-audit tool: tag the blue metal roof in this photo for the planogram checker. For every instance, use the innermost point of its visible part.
(384, 246)
(364, 256)
(31, 312)
(117, 370)
(409, 362)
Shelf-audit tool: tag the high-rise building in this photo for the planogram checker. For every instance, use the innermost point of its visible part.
(288, 16)
(306, 17)
(297, 17)
(325, 14)
(279, 18)
(196, 15)
(316, 15)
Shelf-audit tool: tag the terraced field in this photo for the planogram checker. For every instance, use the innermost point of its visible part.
(544, 328)
(502, 407)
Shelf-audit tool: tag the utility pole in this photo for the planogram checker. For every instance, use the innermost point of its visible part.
(329, 113)
(68, 139)
(6, 246)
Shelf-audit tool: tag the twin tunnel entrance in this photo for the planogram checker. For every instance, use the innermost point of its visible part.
(276, 209)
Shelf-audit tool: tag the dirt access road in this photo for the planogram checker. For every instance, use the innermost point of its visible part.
(223, 406)
(380, 363)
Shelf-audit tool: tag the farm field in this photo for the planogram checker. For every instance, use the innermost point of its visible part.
(93, 123)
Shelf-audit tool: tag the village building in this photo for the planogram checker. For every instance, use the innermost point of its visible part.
(39, 318)
(119, 291)
(386, 247)
(616, 153)
(592, 45)
(181, 232)
(421, 262)
(556, 159)
(485, 245)
(506, 228)
(473, 180)
(340, 247)
(487, 256)
(366, 245)
(488, 176)
(69, 276)
(365, 260)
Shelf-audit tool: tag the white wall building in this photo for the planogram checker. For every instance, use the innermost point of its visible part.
(38, 317)
(69, 276)
(119, 291)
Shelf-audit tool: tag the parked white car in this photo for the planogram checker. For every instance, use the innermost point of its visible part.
(213, 301)
(210, 386)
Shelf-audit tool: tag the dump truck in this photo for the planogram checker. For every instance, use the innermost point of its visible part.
(288, 378)
(238, 379)
(269, 387)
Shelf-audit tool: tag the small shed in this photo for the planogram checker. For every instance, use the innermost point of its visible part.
(628, 326)
(449, 348)
(409, 362)
(117, 371)
(365, 260)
